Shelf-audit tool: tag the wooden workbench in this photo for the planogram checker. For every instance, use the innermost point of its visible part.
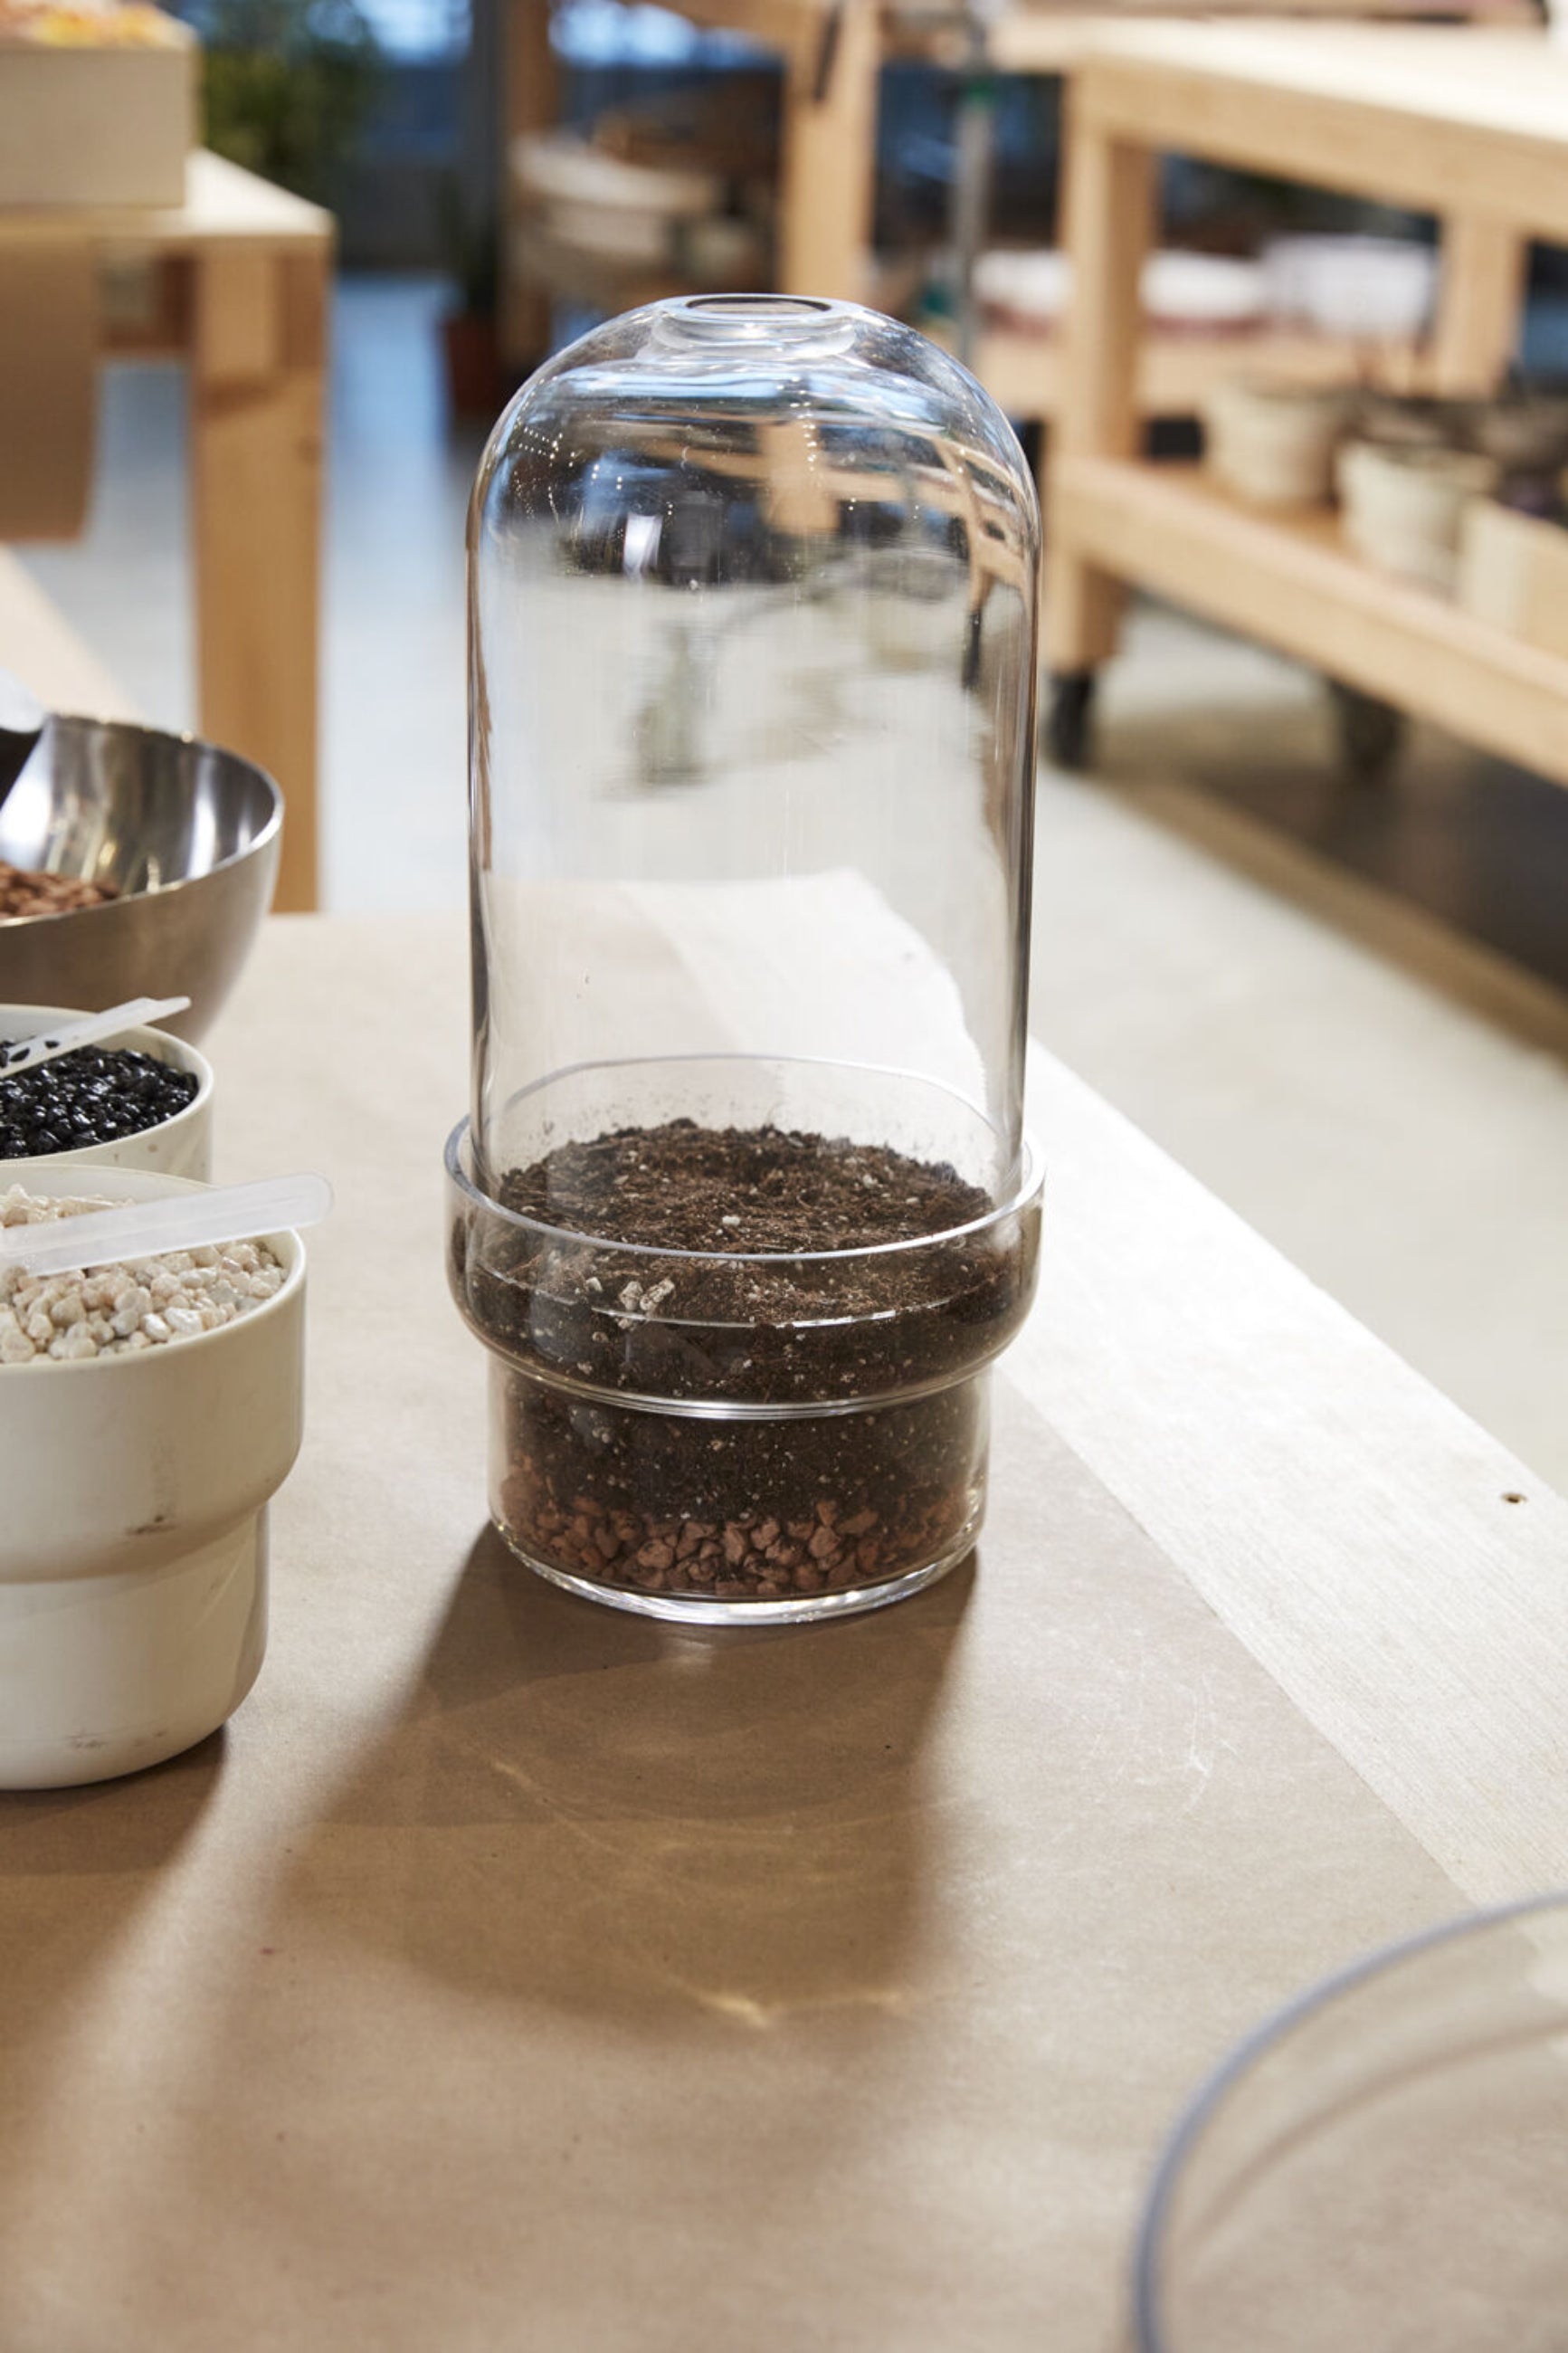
(1470, 125)
(833, 52)
(516, 1973)
(240, 282)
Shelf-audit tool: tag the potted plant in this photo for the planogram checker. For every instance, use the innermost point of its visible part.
(287, 85)
(469, 333)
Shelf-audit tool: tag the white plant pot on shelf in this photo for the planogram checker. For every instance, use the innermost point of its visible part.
(1273, 443)
(1404, 507)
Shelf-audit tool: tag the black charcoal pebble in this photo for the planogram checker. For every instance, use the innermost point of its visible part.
(89, 1097)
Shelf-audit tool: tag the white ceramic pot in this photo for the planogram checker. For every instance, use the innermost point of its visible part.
(1206, 291)
(133, 1533)
(1404, 507)
(1362, 288)
(561, 167)
(181, 1146)
(1273, 443)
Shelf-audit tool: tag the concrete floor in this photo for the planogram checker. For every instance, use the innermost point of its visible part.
(1345, 1010)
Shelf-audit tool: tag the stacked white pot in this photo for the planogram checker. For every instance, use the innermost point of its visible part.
(133, 1539)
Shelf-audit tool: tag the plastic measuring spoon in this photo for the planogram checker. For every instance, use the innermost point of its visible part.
(27, 1054)
(133, 1230)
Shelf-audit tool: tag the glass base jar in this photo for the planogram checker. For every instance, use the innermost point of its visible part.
(715, 1433)
(699, 1516)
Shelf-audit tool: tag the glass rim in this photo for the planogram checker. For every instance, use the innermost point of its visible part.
(1028, 1189)
(1204, 2104)
(732, 325)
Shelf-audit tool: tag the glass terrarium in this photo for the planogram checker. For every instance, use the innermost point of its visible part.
(744, 1207)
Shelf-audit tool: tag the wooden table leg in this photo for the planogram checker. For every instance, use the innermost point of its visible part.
(532, 103)
(828, 194)
(1109, 195)
(257, 378)
(1480, 294)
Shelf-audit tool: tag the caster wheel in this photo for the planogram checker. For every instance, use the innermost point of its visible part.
(1069, 719)
(1368, 735)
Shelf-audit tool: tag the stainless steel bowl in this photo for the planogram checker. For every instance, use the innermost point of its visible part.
(187, 833)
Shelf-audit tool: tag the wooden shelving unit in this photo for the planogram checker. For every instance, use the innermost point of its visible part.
(1292, 580)
(1469, 124)
(833, 52)
(240, 278)
(1176, 372)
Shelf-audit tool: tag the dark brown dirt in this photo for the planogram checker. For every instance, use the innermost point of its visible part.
(745, 1510)
(743, 1506)
(771, 1329)
(685, 1188)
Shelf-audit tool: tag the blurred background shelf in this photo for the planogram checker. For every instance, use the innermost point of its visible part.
(1292, 580)
(831, 57)
(1472, 124)
(1176, 371)
(234, 282)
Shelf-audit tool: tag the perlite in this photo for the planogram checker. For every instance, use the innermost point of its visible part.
(120, 1309)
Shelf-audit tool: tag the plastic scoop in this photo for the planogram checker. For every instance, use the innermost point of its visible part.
(133, 1230)
(27, 1054)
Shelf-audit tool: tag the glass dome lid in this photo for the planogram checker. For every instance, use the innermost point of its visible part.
(753, 602)
(752, 628)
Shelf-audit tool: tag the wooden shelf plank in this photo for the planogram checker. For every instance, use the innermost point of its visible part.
(224, 206)
(1445, 119)
(1023, 371)
(1290, 580)
(1042, 41)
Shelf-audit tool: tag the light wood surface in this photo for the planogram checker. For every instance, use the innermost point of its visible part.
(513, 1965)
(1397, 1572)
(533, 88)
(224, 205)
(1045, 40)
(47, 384)
(259, 369)
(245, 306)
(1449, 118)
(1108, 202)
(1293, 581)
(1176, 372)
(1480, 300)
(828, 158)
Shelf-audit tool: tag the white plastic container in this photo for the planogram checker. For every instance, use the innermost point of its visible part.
(1374, 289)
(133, 1537)
(1273, 443)
(1404, 507)
(1513, 572)
(1205, 293)
(181, 1146)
